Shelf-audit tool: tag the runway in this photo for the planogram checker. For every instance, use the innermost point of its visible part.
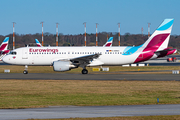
(89, 111)
(68, 76)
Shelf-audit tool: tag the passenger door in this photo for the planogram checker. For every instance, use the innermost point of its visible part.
(25, 53)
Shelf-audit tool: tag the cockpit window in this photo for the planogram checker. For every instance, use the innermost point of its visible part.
(13, 53)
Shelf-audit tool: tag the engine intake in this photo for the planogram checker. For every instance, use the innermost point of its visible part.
(62, 66)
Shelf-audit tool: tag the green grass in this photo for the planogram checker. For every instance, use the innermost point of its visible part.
(42, 93)
(160, 117)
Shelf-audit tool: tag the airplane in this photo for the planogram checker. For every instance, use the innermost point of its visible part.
(107, 44)
(3, 47)
(67, 58)
(38, 43)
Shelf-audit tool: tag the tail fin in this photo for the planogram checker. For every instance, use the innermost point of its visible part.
(160, 38)
(158, 41)
(109, 42)
(38, 43)
(4, 44)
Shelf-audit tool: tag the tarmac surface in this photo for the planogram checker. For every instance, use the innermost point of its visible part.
(89, 111)
(68, 76)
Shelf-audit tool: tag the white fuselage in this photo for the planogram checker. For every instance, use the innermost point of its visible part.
(46, 55)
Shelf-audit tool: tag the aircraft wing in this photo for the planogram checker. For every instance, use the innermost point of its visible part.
(85, 59)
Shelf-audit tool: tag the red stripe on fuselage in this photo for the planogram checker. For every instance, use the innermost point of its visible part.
(153, 45)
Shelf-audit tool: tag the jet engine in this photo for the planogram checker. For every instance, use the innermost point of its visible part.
(63, 66)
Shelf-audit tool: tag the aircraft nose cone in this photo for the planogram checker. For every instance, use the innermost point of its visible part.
(5, 59)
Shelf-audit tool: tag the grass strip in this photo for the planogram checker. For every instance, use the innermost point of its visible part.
(43, 93)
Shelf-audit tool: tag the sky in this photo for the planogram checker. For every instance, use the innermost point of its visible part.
(71, 14)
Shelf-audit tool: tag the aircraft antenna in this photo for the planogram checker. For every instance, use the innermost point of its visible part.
(13, 36)
(119, 33)
(85, 33)
(42, 33)
(57, 34)
(96, 35)
(149, 29)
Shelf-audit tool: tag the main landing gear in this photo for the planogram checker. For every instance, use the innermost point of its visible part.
(84, 71)
(25, 70)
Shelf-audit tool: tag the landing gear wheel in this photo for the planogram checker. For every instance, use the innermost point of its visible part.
(84, 71)
(25, 72)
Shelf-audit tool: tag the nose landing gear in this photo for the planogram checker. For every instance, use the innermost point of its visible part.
(25, 70)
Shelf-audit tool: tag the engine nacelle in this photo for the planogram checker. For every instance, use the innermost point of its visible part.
(62, 66)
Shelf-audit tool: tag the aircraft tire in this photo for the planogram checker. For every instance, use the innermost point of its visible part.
(25, 72)
(84, 71)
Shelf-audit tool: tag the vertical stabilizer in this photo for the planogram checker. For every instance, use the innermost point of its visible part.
(38, 43)
(109, 42)
(4, 44)
(160, 38)
(158, 41)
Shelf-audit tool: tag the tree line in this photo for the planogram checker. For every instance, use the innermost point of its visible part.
(78, 40)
